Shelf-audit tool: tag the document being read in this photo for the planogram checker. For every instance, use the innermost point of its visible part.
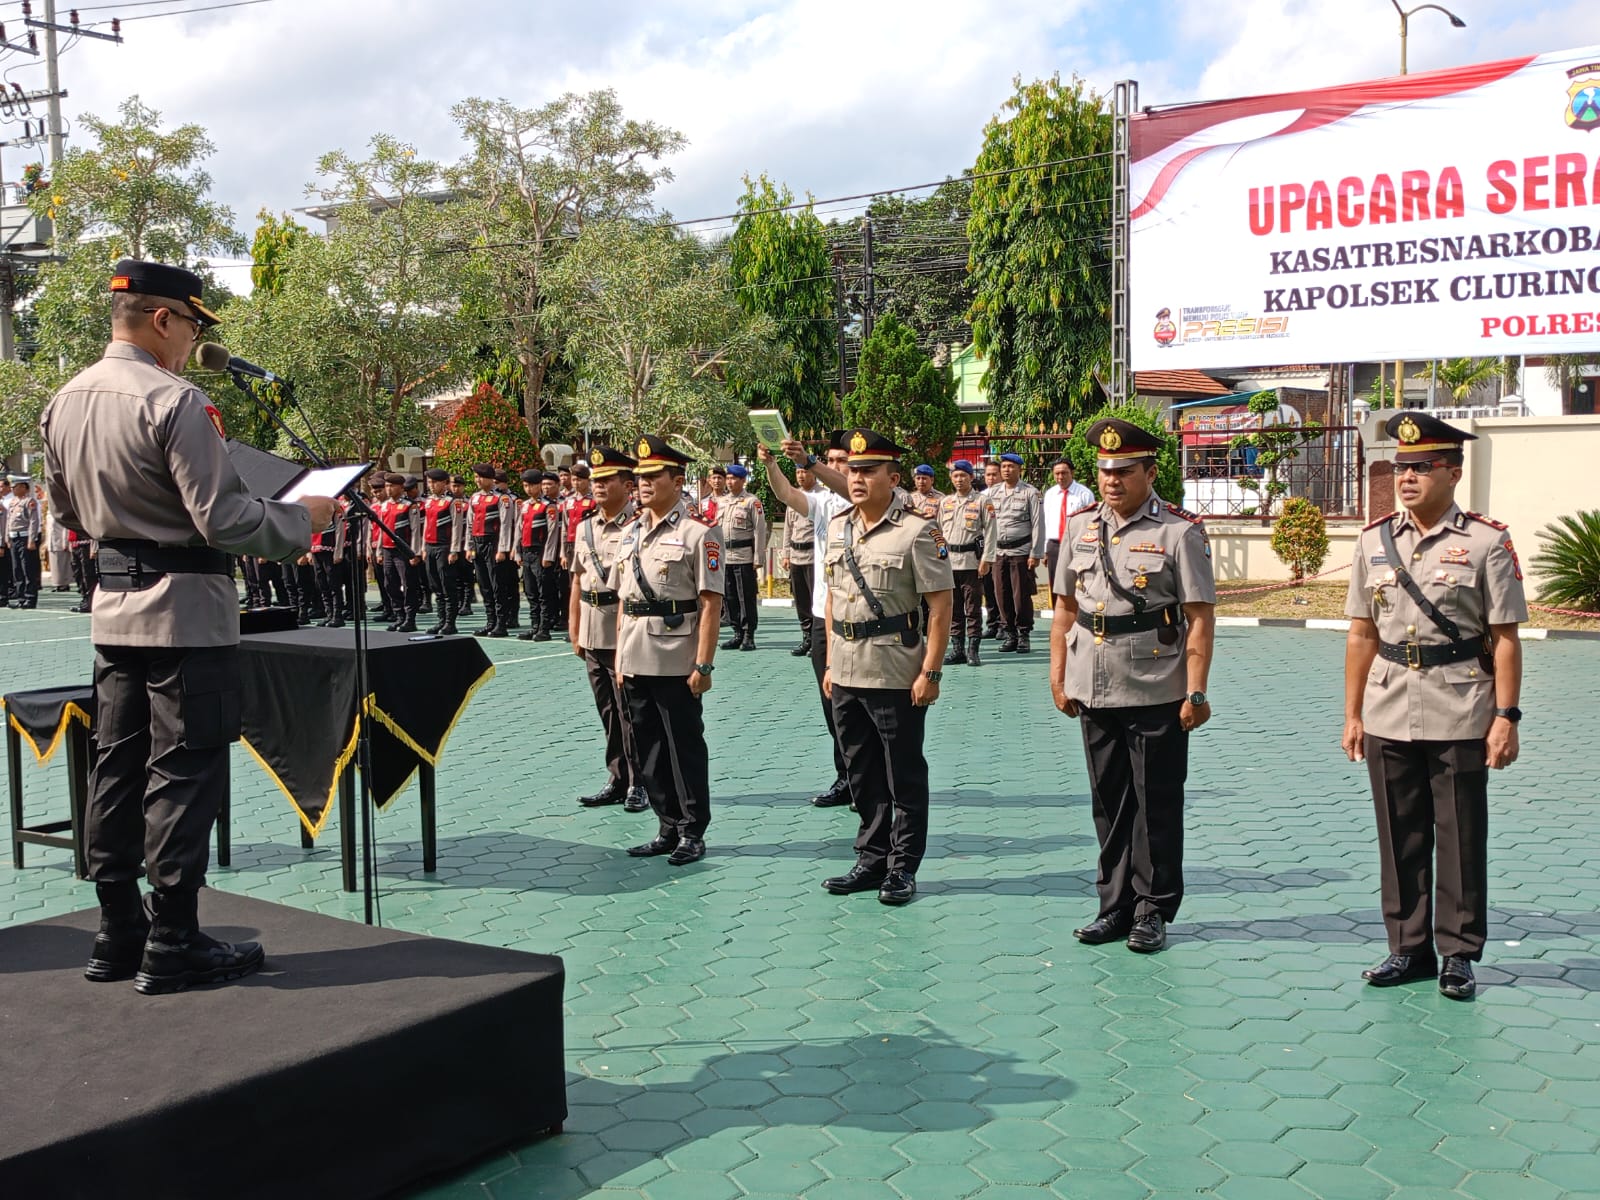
(329, 481)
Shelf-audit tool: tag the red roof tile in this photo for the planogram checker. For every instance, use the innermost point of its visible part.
(1178, 383)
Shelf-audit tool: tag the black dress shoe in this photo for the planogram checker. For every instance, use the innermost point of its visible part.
(406, 626)
(801, 651)
(497, 631)
(378, 608)
(610, 794)
(856, 879)
(1107, 927)
(1149, 934)
(1008, 644)
(1024, 642)
(835, 797)
(525, 637)
(749, 642)
(636, 801)
(973, 658)
(689, 850)
(732, 643)
(1455, 978)
(541, 635)
(662, 844)
(898, 888)
(392, 626)
(484, 632)
(1401, 968)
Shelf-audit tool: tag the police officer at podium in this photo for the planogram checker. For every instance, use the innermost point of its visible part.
(135, 459)
(1432, 678)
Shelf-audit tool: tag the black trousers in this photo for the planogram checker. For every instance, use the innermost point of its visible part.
(621, 755)
(674, 767)
(24, 571)
(272, 584)
(1052, 553)
(164, 717)
(561, 592)
(391, 604)
(801, 577)
(880, 732)
(989, 598)
(497, 582)
(1138, 761)
(1014, 590)
(465, 581)
(405, 583)
(966, 611)
(308, 597)
(442, 576)
(539, 586)
(819, 667)
(1427, 795)
(84, 572)
(743, 603)
(325, 575)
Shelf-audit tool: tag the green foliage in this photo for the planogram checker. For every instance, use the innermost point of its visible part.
(901, 394)
(23, 395)
(486, 428)
(1041, 274)
(1169, 470)
(1463, 376)
(779, 268)
(1568, 564)
(275, 237)
(1276, 446)
(1300, 537)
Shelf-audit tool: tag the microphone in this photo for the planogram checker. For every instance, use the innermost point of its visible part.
(216, 358)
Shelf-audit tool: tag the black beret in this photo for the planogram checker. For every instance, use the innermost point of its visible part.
(461, 479)
(552, 477)
(532, 475)
(484, 469)
(437, 475)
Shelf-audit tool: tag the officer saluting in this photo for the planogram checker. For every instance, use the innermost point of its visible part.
(1130, 651)
(882, 562)
(668, 577)
(134, 457)
(1432, 675)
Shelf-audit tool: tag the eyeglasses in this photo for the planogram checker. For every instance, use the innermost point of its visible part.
(1420, 468)
(199, 325)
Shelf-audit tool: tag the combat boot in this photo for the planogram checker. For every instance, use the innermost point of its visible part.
(1008, 642)
(178, 955)
(1023, 644)
(124, 929)
(972, 653)
(958, 651)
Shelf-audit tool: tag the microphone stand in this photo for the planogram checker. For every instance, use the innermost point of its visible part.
(358, 624)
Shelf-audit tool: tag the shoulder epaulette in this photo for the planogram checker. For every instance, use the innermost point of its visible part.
(1379, 521)
(1489, 521)
(1087, 508)
(704, 520)
(1192, 518)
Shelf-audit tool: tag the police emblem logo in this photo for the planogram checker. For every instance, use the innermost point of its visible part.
(644, 448)
(1583, 97)
(858, 442)
(596, 458)
(1110, 439)
(713, 555)
(216, 421)
(1408, 432)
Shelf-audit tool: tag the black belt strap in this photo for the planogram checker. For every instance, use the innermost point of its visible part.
(963, 548)
(599, 599)
(1101, 625)
(661, 608)
(1016, 543)
(1415, 655)
(149, 558)
(852, 631)
(743, 544)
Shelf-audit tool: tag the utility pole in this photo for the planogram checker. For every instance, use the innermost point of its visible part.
(52, 83)
(839, 317)
(870, 306)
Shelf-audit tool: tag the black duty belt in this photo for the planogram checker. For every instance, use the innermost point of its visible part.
(852, 631)
(599, 599)
(963, 548)
(128, 565)
(1103, 626)
(1416, 656)
(742, 544)
(486, 537)
(659, 608)
(1016, 543)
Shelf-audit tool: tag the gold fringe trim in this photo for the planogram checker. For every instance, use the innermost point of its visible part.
(388, 722)
(332, 801)
(70, 712)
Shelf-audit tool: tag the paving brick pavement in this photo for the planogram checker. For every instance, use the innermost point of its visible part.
(733, 1031)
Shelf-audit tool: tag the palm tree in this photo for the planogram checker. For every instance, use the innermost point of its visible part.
(1463, 376)
(1560, 370)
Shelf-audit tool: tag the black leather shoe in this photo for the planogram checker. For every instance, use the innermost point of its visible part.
(497, 631)
(957, 654)
(898, 888)
(1024, 642)
(525, 637)
(79, 608)
(447, 630)
(1401, 968)
(392, 626)
(541, 635)
(1149, 934)
(835, 797)
(733, 643)
(406, 626)
(803, 650)
(856, 879)
(636, 801)
(689, 850)
(124, 929)
(484, 632)
(1107, 927)
(378, 608)
(749, 642)
(1455, 978)
(660, 845)
(973, 660)
(610, 794)
(174, 962)
(1008, 644)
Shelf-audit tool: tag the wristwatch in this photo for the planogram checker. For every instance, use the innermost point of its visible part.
(1197, 698)
(933, 676)
(1512, 714)
(703, 668)
(811, 461)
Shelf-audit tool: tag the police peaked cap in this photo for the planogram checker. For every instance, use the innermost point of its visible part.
(141, 278)
(607, 461)
(1419, 437)
(867, 447)
(1117, 443)
(655, 456)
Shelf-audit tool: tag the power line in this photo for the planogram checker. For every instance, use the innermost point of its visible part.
(181, 12)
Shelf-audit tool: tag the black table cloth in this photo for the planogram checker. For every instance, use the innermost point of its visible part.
(42, 715)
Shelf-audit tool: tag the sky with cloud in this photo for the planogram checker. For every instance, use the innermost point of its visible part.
(832, 97)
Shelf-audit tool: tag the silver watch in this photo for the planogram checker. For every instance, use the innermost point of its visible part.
(1197, 698)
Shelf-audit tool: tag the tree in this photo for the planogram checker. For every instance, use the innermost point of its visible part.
(275, 237)
(920, 250)
(1568, 561)
(532, 179)
(1085, 458)
(1300, 538)
(1041, 273)
(654, 328)
(137, 192)
(780, 268)
(23, 395)
(366, 320)
(901, 394)
(1463, 376)
(1276, 443)
(485, 428)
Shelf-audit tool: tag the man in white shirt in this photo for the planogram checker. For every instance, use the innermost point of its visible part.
(826, 499)
(6, 500)
(1061, 499)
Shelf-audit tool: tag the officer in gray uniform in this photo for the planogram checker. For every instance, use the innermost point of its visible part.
(592, 617)
(668, 579)
(1130, 652)
(883, 562)
(799, 542)
(966, 520)
(135, 459)
(1019, 527)
(1432, 677)
(744, 540)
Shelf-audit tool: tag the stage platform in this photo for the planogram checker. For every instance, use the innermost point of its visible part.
(358, 1061)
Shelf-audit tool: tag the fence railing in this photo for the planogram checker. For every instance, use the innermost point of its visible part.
(1330, 471)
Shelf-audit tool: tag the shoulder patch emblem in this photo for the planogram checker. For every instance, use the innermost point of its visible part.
(713, 555)
(216, 421)
(1379, 521)
(1489, 521)
(1515, 565)
(938, 540)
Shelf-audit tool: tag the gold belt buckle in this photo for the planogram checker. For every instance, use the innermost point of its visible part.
(1097, 624)
(1414, 656)
(847, 630)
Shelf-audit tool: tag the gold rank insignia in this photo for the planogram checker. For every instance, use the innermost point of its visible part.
(858, 443)
(597, 458)
(1408, 432)
(644, 448)
(1110, 439)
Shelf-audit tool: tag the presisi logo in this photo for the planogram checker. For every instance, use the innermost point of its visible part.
(1583, 97)
(1235, 328)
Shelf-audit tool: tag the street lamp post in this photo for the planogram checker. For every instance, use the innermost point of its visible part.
(1405, 21)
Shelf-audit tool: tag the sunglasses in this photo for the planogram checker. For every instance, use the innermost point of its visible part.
(1420, 468)
(199, 325)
